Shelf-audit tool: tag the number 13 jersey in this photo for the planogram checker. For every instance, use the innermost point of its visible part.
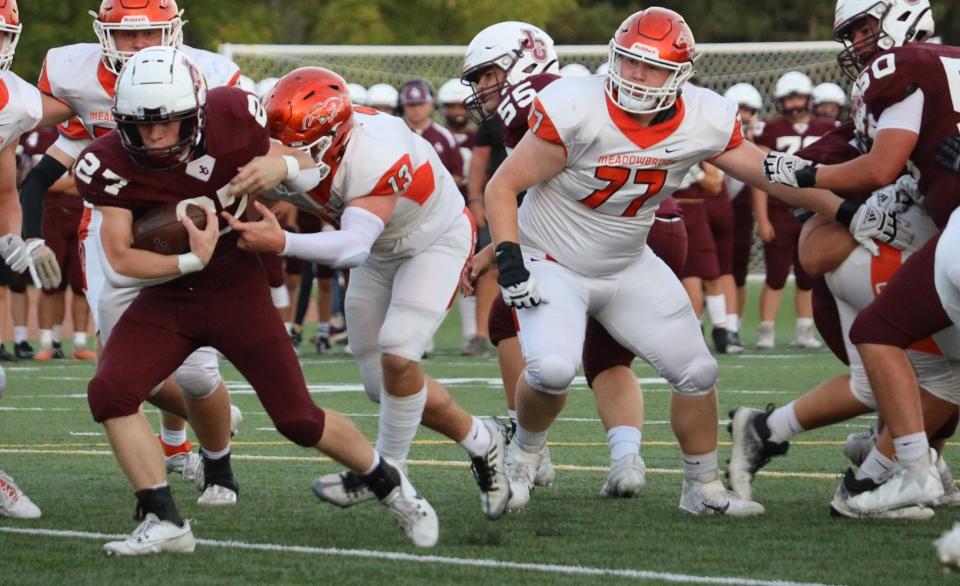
(594, 216)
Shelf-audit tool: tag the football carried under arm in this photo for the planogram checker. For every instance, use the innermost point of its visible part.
(125, 266)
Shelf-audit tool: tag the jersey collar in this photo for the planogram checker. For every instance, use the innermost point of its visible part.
(107, 79)
(645, 136)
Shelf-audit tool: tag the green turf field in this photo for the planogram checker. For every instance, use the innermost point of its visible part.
(281, 534)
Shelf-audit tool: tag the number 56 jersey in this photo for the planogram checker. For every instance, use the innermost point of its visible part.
(594, 216)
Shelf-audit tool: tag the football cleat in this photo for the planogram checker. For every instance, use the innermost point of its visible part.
(236, 418)
(323, 345)
(82, 353)
(859, 444)
(13, 503)
(765, 337)
(154, 536)
(905, 488)
(181, 460)
(475, 346)
(710, 497)
(948, 548)
(490, 471)
(6, 356)
(55, 352)
(720, 338)
(216, 495)
(734, 345)
(344, 489)
(522, 468)
(951, 494)
(626, 478)
(414, 514)
(808, 341)
(751, 448)
(23, 350)
(850, 486)
(545, 472)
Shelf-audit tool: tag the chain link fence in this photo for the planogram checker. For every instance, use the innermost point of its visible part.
(720, 65)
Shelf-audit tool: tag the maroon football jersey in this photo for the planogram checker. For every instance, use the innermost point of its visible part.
(892, 76)
(235, 133)
(445, 143)
(780, 134)
(515, 102)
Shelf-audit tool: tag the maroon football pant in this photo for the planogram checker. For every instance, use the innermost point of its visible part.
(720, 217)
(701, 249)
(668, 239)
(742, 235)
(781, 253)
(827, 318)
(60, 224)
(163, 326)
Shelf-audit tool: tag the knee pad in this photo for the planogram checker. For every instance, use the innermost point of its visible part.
(550, 374)
(407, 330)
(108, 401)
(699, 376)
(935, 375)
(199, 375)
(372, 375)
(860, 386)
(303, 429)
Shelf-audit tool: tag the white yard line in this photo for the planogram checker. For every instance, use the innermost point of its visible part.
(568, 570)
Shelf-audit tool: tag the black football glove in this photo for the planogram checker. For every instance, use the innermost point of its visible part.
(948, 153)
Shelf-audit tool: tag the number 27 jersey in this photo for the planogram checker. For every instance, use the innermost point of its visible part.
(594, 216)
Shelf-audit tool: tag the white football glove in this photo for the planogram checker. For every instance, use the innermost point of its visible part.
(872, 223)
(524, 294)
(897, 197)
(782, 168)
(34, 256)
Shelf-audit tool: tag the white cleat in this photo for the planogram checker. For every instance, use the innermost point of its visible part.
(809, 342)
(712, 498)
(236, 418)
(765, 338)
(626, 478)
(343, 489)
(951, 494)
(521, 470)
(545, 472)
(414, 514)
(948, 548)
(903, 489)
(752, 448)
(154, 536)
(185, 464)
(490, 471)
(13, 503)
(850, 486)
(217, 496)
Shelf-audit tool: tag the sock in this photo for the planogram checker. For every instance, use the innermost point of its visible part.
(173, 437)
(158, 501)
(79, 340)
(623, 441)
(512, 413)
(804, 327)
(19, 334)
(733, 322)
(767, 326)
(57, 333)
(376, 463)
(46, 338)
(399, 419)
(468, 317)
(717, 309)
(912, 450)
(478, 440)
(208, 455)
(289, 327)
(783, 423)
(530, 441)
(702, 468)
(323, 329)
(876, 467)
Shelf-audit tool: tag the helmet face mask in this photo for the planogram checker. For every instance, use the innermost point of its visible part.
(115, 17)
(866, 27)
(10, 28)
(161, 157)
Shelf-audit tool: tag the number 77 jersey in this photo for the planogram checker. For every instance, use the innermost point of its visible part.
(594, 216)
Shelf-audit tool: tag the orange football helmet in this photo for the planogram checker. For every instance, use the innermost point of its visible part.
(10, 27)
(132, 15)
(310, 109)
(658, 37)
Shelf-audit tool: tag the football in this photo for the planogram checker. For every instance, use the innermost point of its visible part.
(159, 230)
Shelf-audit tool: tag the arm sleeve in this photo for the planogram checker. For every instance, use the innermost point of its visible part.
(33, 190)
(347, 247)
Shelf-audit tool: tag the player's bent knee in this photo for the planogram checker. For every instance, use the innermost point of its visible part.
(860, 388)
(550, 374)
(198, 382)
(699, 376)
(372, 375)
(156, 390)
(303, 429)
(408, 330)
(108, 401)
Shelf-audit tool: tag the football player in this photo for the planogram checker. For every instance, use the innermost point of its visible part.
(903, 103)
(79, 80)
(383, 97)
(176, 143)
(778, 229)
(829, 100)
(402, 224)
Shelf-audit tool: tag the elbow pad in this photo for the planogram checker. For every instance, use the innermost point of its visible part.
(34, 188)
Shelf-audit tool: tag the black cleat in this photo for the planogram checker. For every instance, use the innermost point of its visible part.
(6, 356)
(752, 448)
(720, 339)
(23, 350)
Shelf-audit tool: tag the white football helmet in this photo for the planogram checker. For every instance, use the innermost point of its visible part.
(358, 94)
(453, 91)
(829, 92)
(264, 87)
(900, 22)
(114, 15)
(160, 85)
(247, 84)
(383, 95)
(574, 70)
(793, 83)
(745, 95)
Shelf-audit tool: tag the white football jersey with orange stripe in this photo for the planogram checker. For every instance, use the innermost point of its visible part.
(593, 217)
(384, 157)
(21, 108)
(76, 75)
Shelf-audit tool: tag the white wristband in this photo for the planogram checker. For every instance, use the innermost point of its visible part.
(189, 263)
(293, 167)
